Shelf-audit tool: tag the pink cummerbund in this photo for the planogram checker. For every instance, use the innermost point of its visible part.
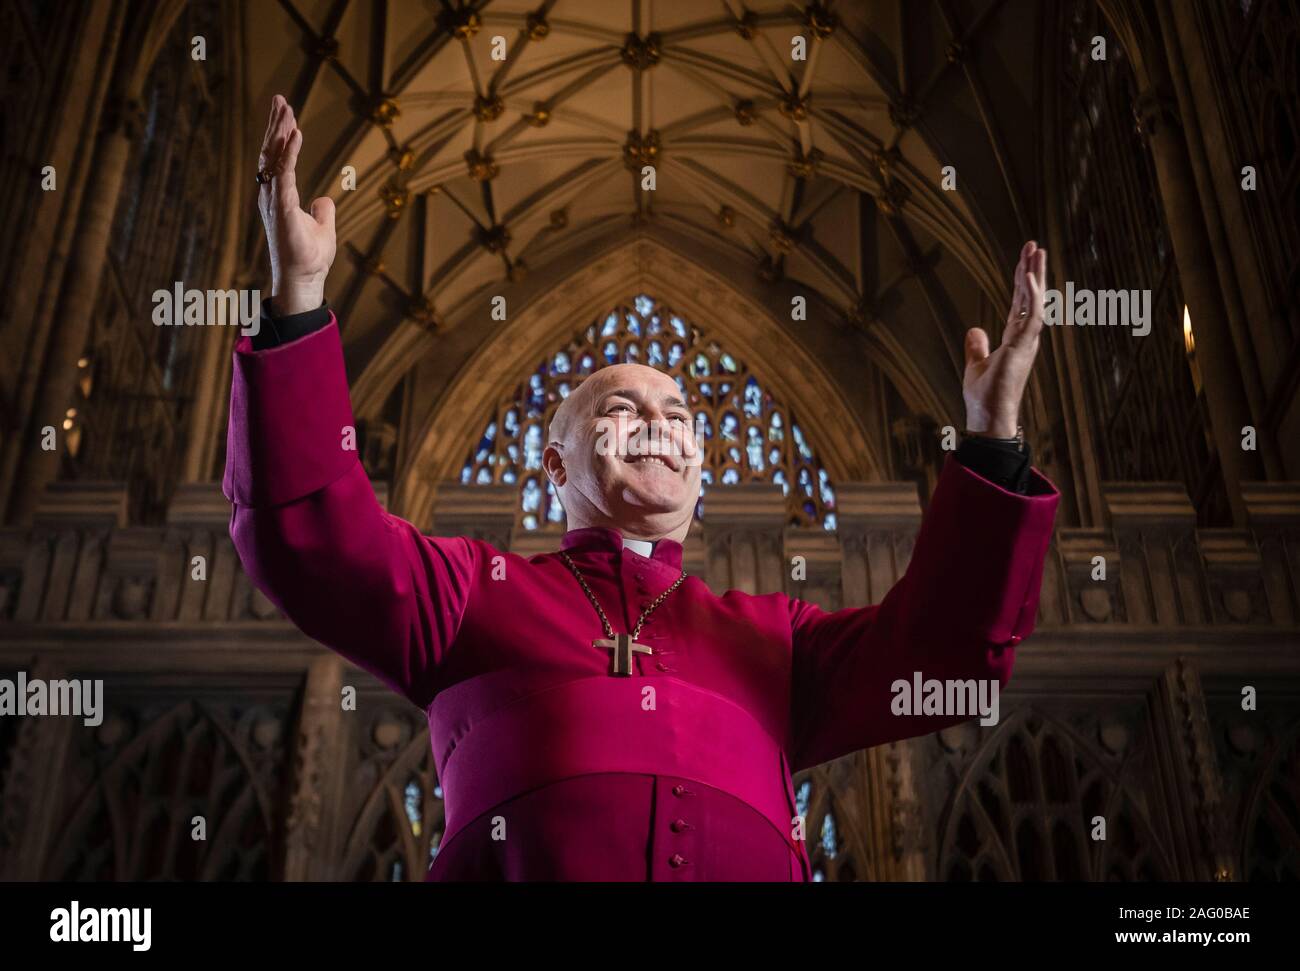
(598, 725)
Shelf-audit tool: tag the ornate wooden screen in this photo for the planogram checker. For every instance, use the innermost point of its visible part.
(1259, 758)
(393, 810)
(135, 784)
(1023, 799)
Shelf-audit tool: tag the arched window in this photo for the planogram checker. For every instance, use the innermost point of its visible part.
(748, 435)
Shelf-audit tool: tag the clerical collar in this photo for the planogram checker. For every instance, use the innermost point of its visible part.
(666, 552)
(643, 546)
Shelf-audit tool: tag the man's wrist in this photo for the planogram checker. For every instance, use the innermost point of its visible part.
(997, 428)
(289, 298)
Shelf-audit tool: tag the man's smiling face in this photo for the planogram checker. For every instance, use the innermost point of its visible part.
(623, 453)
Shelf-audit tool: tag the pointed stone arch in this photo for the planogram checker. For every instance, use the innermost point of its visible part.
(733, 317)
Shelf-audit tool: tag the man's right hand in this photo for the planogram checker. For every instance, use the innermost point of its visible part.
(301, 246)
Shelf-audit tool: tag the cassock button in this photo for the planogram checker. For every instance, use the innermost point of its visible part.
(678, 825)
(681, 790)
(661, 666)
(1013, 640)
(677, 860)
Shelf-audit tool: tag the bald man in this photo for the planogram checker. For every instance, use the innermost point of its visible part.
(595, 713)
(602, 479)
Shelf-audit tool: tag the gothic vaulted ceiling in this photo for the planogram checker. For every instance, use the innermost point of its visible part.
(822, 174)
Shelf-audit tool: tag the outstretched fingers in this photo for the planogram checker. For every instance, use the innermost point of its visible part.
(277, 105)
(286, 178)
(1019, 291)
(1037, 312)
(1028, 328)
(269, 154)
(1020, 284)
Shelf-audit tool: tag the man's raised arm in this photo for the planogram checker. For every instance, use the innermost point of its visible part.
(306, 524)
(968, 597)
(970, 593)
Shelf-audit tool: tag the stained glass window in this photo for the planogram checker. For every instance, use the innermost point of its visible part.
(412, 799)
(748, 435)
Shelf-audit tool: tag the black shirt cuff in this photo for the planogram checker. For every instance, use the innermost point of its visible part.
(1001, 463)
(275, 331)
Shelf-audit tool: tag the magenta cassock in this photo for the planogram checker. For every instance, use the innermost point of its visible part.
(551, 768)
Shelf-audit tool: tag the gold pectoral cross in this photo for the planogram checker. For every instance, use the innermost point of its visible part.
(623, 647)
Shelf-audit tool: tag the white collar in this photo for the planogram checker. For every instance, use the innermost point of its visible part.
(643, 546)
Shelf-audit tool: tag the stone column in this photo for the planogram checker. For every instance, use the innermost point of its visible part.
(319, 761)
(1258, 330)
(1189, 779)
(77, 304)
(206, 426)
(744, 529)
(813, 569)
(1079, 589)
(49, 226)
(31, 792)
(1154, 525)
(73, 523)
(485, 512)
(198, 525)
(1274, 510)
(877, 524)
(1197, 272)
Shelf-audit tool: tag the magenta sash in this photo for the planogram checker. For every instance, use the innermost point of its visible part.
(598, 725)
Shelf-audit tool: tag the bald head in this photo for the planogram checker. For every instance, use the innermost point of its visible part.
(598, 465)
(563, 416)
(598, 384)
